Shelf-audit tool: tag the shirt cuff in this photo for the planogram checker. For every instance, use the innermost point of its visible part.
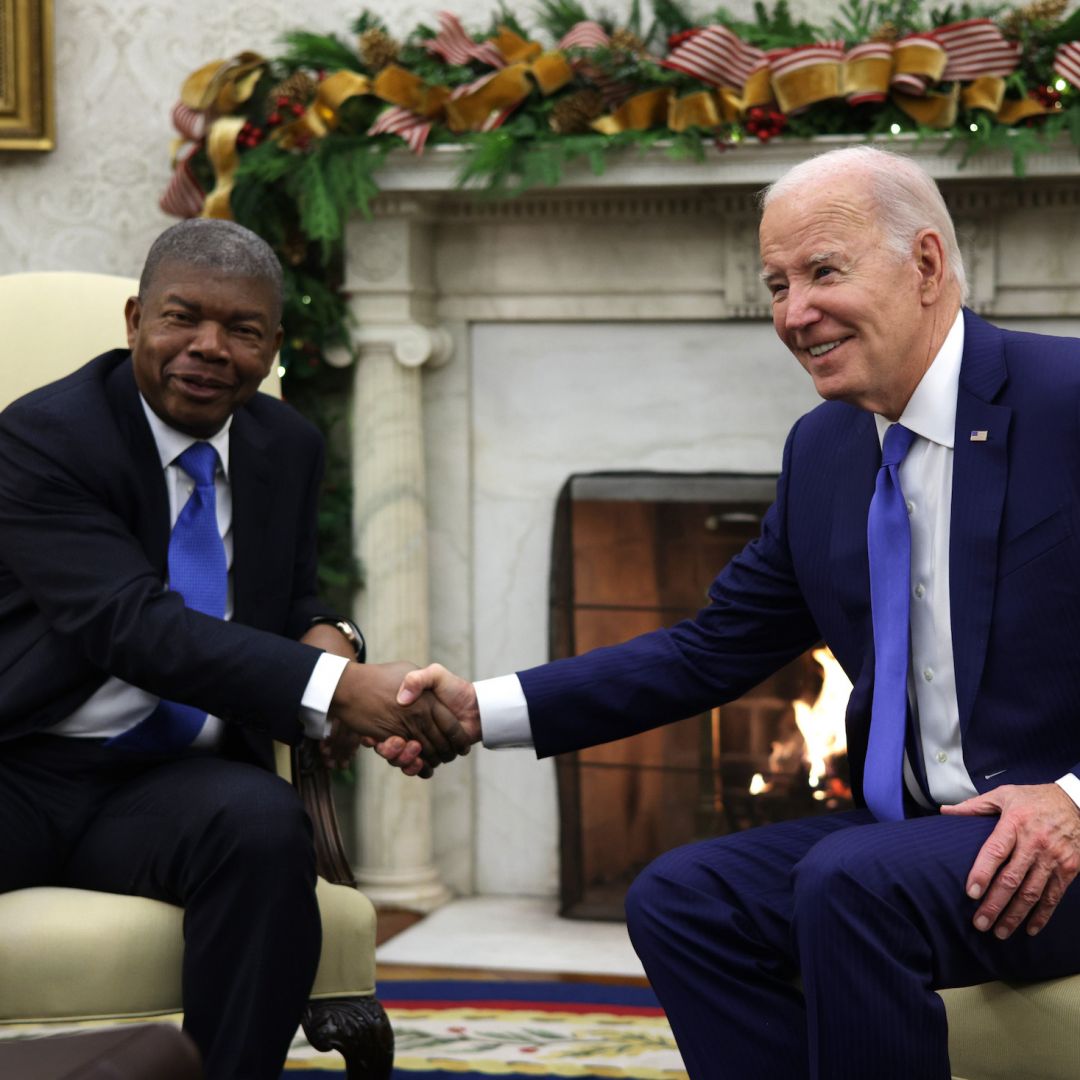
(1070, 784)
(318, 694)
(504, 712)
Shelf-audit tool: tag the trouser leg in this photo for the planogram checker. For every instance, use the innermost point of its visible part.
(711, 923)
(232, 845)
(881, 921)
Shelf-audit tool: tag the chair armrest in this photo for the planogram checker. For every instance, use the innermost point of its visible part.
(312, 780)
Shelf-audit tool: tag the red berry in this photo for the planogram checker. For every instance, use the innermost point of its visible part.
(297, 109)
(274, 119)
(281, 101)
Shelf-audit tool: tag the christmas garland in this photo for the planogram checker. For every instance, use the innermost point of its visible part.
(291, 145)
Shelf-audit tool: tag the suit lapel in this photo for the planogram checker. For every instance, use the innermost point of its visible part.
(251, 482)
(149, 506)
(980, 473)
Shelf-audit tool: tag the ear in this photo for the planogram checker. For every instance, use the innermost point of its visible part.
(279, 337)
(931, 265)
(133, 317)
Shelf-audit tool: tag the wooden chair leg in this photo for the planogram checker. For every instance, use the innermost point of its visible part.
(358, 1029)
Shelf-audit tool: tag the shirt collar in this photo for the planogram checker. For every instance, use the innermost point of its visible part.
(931, 412)
(172, 443)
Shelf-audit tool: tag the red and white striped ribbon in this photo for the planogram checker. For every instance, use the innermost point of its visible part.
(1067, 62)
(412, 127)
(716, 56)
(784, 61)
(585, 35)
(870, 50)
(189, 122)
(183, 197)
(976, 48)
(456, 47)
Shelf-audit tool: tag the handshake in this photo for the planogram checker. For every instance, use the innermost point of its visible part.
(415, 718)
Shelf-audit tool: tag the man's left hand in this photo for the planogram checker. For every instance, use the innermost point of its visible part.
(1028, 861)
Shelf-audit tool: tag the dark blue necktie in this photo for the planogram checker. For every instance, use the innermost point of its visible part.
(199, 573)
(888, 535)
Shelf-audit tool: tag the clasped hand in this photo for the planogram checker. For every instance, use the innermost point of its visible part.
(1028, 861)
(415, 731)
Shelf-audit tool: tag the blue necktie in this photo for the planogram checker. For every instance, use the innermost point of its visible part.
(888, 535)
(199, 573)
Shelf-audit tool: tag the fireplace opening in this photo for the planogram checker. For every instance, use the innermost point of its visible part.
(633, 552)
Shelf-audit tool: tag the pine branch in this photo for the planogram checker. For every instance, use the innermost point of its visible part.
(319, 51)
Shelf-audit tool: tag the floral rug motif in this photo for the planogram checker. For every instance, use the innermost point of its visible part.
(472, 1030)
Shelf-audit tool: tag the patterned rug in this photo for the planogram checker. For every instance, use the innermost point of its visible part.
(473, 1030)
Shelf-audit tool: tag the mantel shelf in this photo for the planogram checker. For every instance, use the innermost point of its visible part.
(437, 170)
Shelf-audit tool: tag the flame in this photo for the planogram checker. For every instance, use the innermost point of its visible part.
(822, 724)
(759, 784)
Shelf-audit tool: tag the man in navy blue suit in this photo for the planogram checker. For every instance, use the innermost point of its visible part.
(95, 792)
(813, 948)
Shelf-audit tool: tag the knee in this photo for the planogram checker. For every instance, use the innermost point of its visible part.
(833, 873)
(669, 892)
(265, 827)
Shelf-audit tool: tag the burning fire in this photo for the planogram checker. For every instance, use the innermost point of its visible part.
(821, 726)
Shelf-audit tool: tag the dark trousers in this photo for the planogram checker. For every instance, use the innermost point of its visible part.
(872, 917)
(227, 841)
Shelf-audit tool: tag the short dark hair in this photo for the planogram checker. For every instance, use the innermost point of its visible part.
(217, 245)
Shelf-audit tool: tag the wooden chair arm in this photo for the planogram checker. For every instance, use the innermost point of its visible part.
(312, 780)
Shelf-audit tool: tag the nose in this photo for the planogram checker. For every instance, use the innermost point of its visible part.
(210, 341)
(799, 310)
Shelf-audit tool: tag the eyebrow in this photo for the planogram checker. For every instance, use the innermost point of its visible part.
(237, 316)
(816, 259)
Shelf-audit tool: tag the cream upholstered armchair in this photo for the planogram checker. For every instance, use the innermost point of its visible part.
(68, 955)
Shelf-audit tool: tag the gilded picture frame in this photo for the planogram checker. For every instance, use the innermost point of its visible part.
(27, 118)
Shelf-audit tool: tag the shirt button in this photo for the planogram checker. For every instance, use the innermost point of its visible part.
(928, 674)
(920, 591)
(910, 506)
(942, 757)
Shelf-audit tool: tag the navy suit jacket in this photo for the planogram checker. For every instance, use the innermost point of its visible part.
(1014, 572)
(84, 532)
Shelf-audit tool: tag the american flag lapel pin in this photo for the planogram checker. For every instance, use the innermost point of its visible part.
(979, 436)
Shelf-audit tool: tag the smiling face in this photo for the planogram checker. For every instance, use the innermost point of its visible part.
(201, 343)
(863, 321)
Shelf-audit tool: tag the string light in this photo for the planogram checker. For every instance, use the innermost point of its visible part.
(1061, 84)
(895, 129)
(973, 127)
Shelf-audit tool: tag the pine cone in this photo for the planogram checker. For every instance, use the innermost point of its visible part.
(628, 42)
(887, 31)
(297, 89)
(574, 113)
(377, 49)
(1045, 12)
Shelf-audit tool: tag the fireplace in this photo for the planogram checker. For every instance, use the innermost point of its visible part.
(632, 552)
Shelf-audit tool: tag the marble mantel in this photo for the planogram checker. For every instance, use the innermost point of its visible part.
(482, 325)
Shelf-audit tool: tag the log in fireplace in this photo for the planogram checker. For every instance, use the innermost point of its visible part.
(632, 552)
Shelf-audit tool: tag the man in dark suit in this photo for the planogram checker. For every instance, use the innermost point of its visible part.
(951, 601)
(136, 718)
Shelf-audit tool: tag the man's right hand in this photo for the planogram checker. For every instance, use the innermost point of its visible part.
(453, 693)
(368, 701)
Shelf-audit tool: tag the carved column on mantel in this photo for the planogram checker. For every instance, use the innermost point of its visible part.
(388, 280)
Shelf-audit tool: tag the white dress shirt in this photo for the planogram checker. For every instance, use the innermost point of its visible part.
(926, 479)
(118, 706)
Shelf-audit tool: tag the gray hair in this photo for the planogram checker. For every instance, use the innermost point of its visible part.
(904, 192)
(216, 245)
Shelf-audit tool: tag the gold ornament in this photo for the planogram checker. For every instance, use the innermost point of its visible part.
(628, 42)
(298, 88)
(377, 49)
(574, 114)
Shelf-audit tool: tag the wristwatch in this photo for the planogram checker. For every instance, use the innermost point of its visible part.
(348, 629)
